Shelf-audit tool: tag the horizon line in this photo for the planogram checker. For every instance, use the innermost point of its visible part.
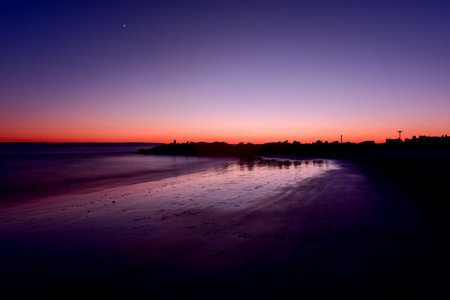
(216, 141)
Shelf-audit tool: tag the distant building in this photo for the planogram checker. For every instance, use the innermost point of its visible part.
(428, 140)
(394, 142)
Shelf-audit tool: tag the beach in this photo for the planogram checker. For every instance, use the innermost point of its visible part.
(225, 150)
(315, 228)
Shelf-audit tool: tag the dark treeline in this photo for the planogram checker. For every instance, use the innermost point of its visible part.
(294, 148)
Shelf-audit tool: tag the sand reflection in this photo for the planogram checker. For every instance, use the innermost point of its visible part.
(239, 184)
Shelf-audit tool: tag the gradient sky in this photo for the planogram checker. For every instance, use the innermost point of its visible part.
(251, 71)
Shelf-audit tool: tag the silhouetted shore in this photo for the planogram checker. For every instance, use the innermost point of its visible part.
(413, 169)
(294, 148)
(418, 166)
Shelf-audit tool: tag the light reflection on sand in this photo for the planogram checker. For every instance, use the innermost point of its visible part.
(224, 219)
(233, 186)
(239, 185)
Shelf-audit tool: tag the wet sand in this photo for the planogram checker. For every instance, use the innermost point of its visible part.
(314, 230)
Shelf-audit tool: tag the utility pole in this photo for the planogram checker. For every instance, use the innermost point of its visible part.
(341, 138)
(399, 134)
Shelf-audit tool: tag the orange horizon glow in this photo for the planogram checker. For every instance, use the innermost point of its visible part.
(298, 73)
(306, 139)
(258, 127)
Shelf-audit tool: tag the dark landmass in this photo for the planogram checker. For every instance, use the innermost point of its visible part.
(294, 148)
(412, 174)
(418, 167)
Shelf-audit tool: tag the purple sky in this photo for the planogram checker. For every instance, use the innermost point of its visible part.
(231, 70)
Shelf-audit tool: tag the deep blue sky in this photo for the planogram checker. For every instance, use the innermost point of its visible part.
(223, 70)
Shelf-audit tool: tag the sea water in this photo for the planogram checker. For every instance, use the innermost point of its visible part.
(35, 170)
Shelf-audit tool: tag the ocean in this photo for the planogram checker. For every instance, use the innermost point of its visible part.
(30, 171)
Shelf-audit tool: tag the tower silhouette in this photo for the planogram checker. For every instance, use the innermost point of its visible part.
(399, 134)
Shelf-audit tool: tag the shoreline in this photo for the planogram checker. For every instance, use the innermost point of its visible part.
(19, 193)
(330, 226)
(369, 223)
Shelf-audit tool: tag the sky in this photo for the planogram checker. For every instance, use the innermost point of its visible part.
(234, 71)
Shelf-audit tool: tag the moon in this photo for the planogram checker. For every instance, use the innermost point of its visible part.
(124, 25)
